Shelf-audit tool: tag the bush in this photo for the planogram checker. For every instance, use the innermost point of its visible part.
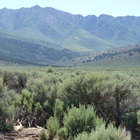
(107, 92)
(110, 133)
(3, 88)
(42, 135)
(14, 79)
(6, 107)
(82, 136)
(6, 112)
(77, 120)
(62, 133)
(52, 126)
(138, 117)
(49, 69)
(58, 109)
(9, 124)
(131, 120)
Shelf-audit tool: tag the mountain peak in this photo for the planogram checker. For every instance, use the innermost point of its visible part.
(36, 7)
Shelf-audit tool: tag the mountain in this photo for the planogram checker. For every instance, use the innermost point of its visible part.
(121, 57)
(117, 30)
(75, 32)
(48, 36)
(17, 50)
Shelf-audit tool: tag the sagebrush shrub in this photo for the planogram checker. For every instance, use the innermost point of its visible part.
(49, 69)
(77, 120)
(82, 136)
(62, 133)
(58, 108)
(109, 93)
(6, 111)
(42, 135)
(102, 133)
(138, 117)
(52, 126)
(131, 120)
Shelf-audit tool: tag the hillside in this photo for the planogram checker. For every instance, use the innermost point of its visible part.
(75, 32)
(124, 56)
(24, 52)
(120, 31)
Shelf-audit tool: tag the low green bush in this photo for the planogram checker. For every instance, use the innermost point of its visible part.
(9, 125)
(58, 110)
(6, 113)
(62, 133)
(77, 120)
(82, 136)
(49, 69)
(110, 133)
(138, 117)
(131, 120)
(42, 135)
(52, 126)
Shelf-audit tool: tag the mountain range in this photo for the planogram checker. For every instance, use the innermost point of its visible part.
(46, 35)
(70, 31)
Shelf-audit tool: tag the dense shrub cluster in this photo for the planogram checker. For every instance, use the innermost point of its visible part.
(78, 120)
(70, 103)
(102, 133)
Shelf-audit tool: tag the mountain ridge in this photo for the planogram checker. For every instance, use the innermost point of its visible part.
(76, 32)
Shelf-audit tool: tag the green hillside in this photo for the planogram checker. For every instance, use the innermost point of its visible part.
(122, 57)
(123, 60)
(120, 31)
(24, 52)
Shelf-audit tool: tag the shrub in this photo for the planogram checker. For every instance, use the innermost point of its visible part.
(52, 126)
(82, 136)
(6, 107)
(9, 124)
(14, 79)
(62, 133)
(49, 69)
(22, 80)
(138, 117)
(131, 120)
(58, 108)
(78, 72)
(110, 133)
(77, 120)
(107, 92)
(42, 135)
(2, 88)
(40, 95)
(6, 112)
(32, 108)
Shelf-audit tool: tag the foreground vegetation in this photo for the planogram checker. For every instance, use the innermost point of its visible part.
(72, 103)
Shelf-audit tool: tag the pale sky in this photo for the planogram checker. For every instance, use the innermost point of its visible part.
(83, 7)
